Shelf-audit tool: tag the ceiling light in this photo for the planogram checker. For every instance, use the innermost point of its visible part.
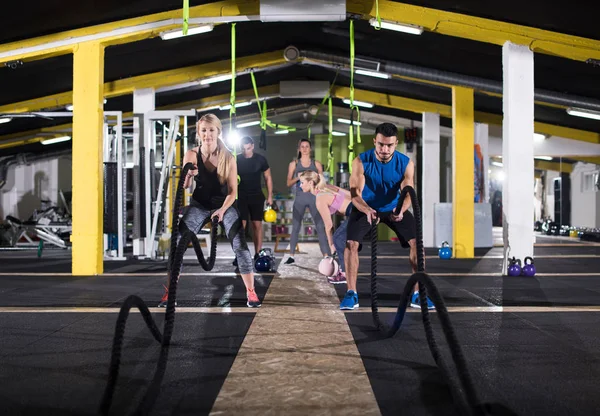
(398, 27)
(580, 112)
(248, 124)
(5, 120)
(237, 105)
(282, 132)
(375, 74)
(499, 164)
(337, 133)
(217, 78)
(539, 137)
(346, 121)
(543, 157)
(233, 138)
(174, 34)
(56, 140)
(358, 103)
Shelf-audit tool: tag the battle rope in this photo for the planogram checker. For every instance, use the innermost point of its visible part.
(464, 394)
(175, 263)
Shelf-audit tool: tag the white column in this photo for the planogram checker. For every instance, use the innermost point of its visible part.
(431, 174)
(482, 134)
(143, 101)
(517, 150)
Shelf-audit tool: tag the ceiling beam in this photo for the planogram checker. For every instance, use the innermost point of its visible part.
(480, 29)
(124, 31)
(155, 80)
(202, 104)
(419, 106)
(377, 98)
(433, 20)
(587, 159)
(555, 166)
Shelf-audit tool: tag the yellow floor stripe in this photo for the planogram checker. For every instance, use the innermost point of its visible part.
(83, 309)
(556, 256)
(327, 311)
(476, 274)
(495, 309)
(438, 274)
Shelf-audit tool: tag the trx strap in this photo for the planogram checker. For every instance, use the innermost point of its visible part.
(378, 27)
(264, 122)
(330, 159)
(186, 16)
(352, 106)
(232, 98)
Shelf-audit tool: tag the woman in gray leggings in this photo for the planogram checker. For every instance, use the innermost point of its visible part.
(305, 200)
(215, 174)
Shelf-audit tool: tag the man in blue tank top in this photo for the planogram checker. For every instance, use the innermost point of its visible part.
(378, 176)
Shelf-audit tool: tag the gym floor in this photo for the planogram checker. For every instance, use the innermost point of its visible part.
(531, 343)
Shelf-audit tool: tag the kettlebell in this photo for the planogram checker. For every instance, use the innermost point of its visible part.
(445, 251)
(270, 215)
(514, 267)
(528, 268)
(265, 261)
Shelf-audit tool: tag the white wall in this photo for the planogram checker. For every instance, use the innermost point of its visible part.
(28, 185)
(585, 203)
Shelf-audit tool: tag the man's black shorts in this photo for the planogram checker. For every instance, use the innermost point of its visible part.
(251, 205)
(359, 227)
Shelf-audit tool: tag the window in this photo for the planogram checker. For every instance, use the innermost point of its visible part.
(589, 181)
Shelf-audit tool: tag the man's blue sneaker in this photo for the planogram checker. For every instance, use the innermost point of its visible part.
(350, 301)
(415, 301)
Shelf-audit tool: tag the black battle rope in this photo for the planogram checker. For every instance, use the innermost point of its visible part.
(175, 263)
(464, 394)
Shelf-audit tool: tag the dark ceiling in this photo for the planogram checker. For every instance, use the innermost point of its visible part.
(40, 78)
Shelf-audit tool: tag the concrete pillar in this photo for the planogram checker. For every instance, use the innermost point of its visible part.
(431, 174)
(463, 140)
(482, 134)
(517, 150)
(88, 111)
(143, 101)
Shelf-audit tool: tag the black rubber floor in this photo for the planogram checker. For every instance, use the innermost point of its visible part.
(105, 291)
(57, 364)
(528, 363)
(531, 363)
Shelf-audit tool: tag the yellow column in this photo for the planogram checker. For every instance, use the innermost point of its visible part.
(463, 194)
(88, 88)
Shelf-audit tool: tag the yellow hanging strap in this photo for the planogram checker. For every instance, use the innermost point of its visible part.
(330, 158)
(377, 16)
(264, 122)
(257, 99)
(232, 96)
(186, 16)
(353, 107)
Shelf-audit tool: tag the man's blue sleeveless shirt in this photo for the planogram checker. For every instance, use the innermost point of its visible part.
(382, 180)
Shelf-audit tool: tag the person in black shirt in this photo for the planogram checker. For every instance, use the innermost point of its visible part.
(251, 200)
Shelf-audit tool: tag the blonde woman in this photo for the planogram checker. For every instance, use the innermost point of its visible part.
(330, 200)
(215, 175)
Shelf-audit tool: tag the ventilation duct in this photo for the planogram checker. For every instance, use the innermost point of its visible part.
(302, 11)
(434, 75)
